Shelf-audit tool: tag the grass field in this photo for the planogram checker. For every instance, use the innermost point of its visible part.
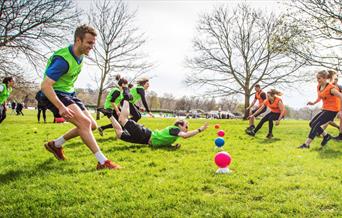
(271, 178)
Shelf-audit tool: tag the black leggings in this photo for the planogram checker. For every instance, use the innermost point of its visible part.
(134, 111)
(115, 115)
(268, 117)
(43, 111)
(320, 119)
(2, 113)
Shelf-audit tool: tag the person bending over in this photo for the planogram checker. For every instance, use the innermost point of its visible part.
(275, 104)
(260, 96)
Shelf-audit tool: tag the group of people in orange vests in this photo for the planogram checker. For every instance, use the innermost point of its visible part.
(328, 91)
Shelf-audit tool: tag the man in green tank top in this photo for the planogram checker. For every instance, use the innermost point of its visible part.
(60, 75)
(130, 131)
(5, 91)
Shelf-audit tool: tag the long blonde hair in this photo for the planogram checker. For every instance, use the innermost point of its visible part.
(274, 93)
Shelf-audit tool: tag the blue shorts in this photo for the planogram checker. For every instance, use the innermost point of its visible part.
(66, 99)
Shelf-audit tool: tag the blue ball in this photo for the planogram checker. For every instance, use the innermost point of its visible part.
(219, 142)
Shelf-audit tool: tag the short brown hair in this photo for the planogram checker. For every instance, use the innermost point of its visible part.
(142, 81)
(179, 123)
(82, 30)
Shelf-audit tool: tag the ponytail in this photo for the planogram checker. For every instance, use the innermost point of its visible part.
(331, 74)
(274, 92)
(120, 80)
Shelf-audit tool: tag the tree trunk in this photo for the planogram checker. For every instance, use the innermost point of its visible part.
(99, 100)
(247, 94)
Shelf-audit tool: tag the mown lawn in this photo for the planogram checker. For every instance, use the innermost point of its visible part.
(270, 177)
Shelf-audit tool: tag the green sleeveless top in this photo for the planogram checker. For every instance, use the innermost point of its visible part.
(66, 82)
(134, 93)
(5, 93)
(108, 103)
(163, 137)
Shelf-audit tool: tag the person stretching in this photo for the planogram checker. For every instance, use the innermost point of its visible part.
(129, 131)
(275, 104)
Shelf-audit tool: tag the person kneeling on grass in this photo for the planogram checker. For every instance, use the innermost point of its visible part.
(275, 104)
(132, 132)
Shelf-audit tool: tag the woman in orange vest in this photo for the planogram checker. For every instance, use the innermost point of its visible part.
(275, 104)
(333, 80)
(260, 96)
(330, 96)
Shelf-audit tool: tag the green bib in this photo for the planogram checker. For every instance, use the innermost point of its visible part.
(134, 93)
(5, 93)
(66, 82)
(163, 137)
(108, 103)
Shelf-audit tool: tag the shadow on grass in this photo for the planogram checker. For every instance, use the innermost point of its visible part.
(100, 140)
(326, 153)
(135, 147)
(10, 176)
(268, 141)
(41, 170)
(74, 144)
(126, 148)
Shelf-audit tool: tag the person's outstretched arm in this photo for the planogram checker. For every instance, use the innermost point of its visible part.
(191, 133)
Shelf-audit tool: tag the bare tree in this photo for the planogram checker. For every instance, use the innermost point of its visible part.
(319, 22)
(119, 44)
(27, 28)
(235, 51)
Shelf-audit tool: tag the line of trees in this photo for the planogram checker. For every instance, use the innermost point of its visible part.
(234, 49)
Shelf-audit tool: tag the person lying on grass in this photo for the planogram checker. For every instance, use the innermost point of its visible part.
(132, 132)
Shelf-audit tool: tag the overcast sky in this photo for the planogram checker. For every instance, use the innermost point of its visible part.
(169, 27)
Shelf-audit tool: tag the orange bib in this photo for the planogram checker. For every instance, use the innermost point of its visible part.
(258, 97)
(274, 107)
(330, 102)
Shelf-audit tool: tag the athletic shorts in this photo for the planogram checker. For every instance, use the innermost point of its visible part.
(262, 111)
(135, 133)
(66, 100)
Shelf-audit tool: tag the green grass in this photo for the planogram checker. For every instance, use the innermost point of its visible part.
(271, 178)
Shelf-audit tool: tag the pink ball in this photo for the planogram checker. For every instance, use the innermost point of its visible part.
(222, 159)
(220, 133)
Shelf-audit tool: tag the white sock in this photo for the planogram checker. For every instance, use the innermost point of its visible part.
(59, 142)
(100, 157)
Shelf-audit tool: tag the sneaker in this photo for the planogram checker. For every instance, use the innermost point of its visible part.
(250, 132)
(338, 138)
(325, 140)
(303, 146)
(100, 131)
(58, 152)
(108, 165)
(269, 135)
